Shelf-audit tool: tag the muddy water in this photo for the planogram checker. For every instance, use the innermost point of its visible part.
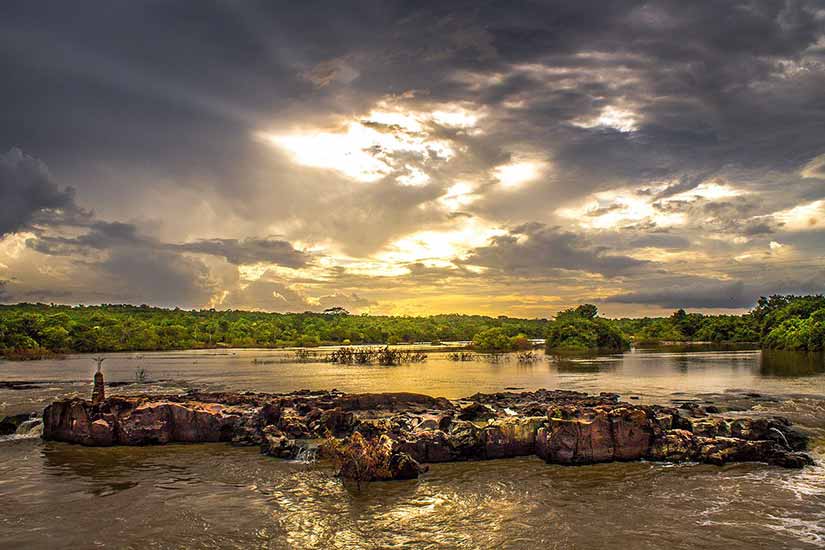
(206, 496)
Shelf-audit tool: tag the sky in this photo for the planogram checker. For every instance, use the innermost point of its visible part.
(412, 157)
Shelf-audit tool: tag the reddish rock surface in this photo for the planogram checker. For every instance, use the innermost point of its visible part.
(139, 421)
(558, 426)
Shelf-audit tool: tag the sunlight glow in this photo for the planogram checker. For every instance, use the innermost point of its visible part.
(390, 140)
(438, 248)
(517, 173)
(815, 168)
(457, 118)
(459, 194)
(707, 190)
(803, 217)
(623, 120)
(612, 209)
(12, 245)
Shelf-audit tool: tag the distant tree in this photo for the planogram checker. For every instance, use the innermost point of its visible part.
(493, 340)
(588, 311)
(581, 329)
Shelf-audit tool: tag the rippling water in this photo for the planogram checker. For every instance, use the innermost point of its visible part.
(204, 496)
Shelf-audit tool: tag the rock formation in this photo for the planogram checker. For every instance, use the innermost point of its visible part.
(561, 427)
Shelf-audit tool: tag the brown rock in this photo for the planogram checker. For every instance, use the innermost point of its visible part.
(601, 434)
(512, 436)
(337, 421)
(398, 401)
(427, 446)
(136, 421)
(275, 443)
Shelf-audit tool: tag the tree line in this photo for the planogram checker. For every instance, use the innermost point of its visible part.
(777, 322)
(783, 322)
(110, 328)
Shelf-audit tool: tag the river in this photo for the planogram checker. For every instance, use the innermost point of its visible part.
(55, 495)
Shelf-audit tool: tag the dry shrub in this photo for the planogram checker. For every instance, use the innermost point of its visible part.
(358, 458)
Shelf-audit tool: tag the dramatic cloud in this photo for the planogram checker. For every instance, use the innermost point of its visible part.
(27, 192)
(114, 235)
(710, 294)
(716, 294)
(412, 157)
(248, 251)
(535, 248)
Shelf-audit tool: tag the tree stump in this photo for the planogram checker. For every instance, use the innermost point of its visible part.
(99, 392)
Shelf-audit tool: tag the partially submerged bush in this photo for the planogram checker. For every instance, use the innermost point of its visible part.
(527, 357)
(140, 375)
(305, 356)
(462, 356)
(389, 357)
(382, 356)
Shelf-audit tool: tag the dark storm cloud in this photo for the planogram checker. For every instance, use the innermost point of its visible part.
(149, 109)
(661, 240)
(27, 191)
(116, 235)
(536, 248)
(157, 278)
(701, 292)
(719, 294)
(248, 251)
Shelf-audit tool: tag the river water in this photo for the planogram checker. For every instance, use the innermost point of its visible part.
(55, 495)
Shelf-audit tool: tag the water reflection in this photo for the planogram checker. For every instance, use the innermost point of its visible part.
(791, 363)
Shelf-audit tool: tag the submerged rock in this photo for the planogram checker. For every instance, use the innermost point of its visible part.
(9, 424)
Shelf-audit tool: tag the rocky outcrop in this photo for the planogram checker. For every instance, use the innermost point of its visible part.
(560, 427)
(576, 435)
(139, 421)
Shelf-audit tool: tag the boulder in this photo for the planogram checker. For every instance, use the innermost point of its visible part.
(427, 446)
(276, 443)
(511, 436)
(137, 421)
(600, 434)
(294, 426)
(684, 446)
(336, 421)
(776, 429)
(476, 411)
(398, 401)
